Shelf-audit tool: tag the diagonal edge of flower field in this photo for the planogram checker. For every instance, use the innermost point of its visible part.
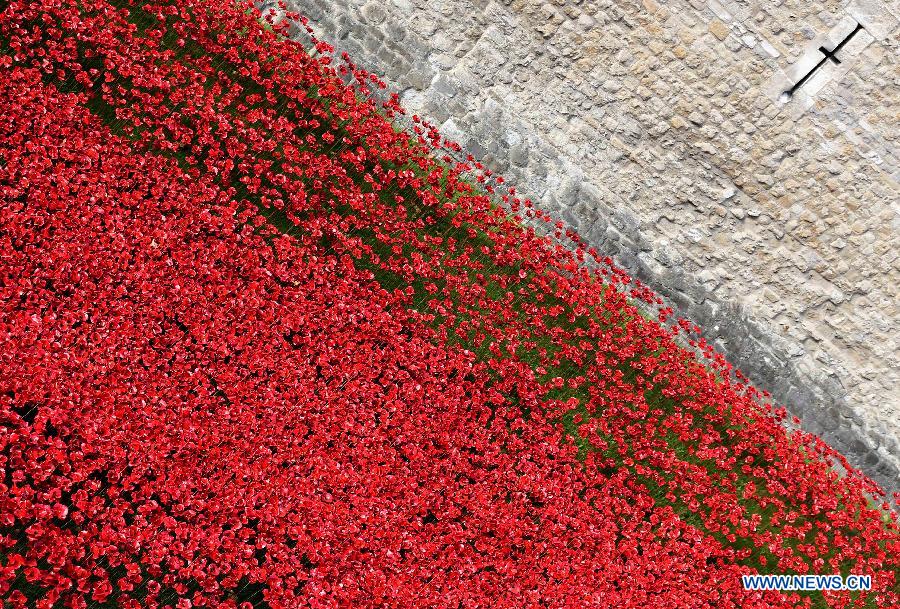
(258, 347)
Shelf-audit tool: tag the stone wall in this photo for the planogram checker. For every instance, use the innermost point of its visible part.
(659, 130)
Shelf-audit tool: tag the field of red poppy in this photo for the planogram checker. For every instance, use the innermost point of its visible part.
(260, 347)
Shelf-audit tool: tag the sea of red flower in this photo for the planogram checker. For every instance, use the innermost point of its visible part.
(259, 348)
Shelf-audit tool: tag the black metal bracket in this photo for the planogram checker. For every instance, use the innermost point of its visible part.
(832, 55)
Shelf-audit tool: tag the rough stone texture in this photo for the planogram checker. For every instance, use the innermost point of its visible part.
(655, 129)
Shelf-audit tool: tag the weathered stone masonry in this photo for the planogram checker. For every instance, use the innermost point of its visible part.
(655, 129)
